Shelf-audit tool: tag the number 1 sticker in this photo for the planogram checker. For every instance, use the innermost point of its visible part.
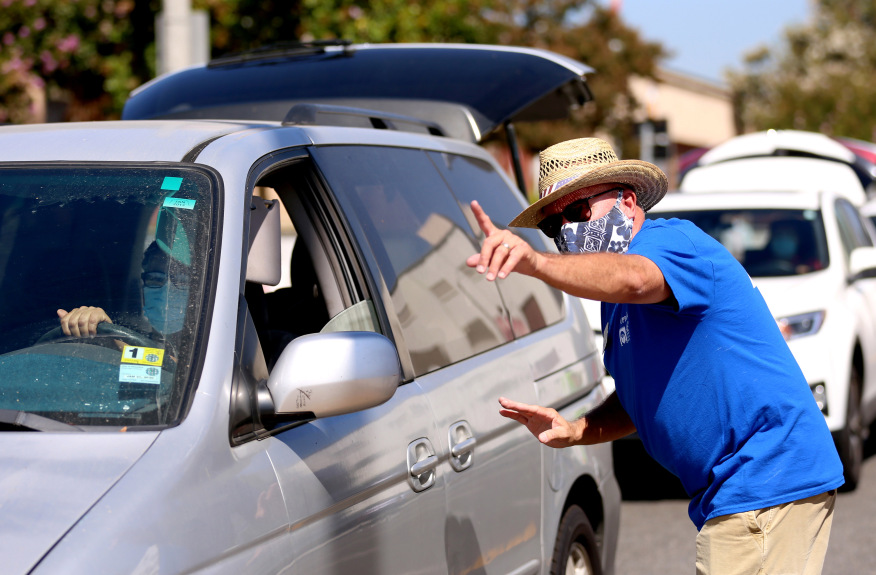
(143, 355)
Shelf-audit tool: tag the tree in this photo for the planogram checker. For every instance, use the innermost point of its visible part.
(820, 79)
(599, 38)
(580, 29)
(90, 53)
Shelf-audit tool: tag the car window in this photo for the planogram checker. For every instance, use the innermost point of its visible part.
(852, 230)
(420, 240)
(766, 242)
(131, 241)
(531, 303)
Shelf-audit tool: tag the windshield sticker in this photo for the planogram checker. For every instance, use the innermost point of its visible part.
(139, 374)
(179, 203)
(143, 355)
(171, 183)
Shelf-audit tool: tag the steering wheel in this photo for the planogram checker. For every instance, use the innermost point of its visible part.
(126, 334)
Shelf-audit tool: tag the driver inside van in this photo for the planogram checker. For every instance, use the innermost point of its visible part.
(165, 288)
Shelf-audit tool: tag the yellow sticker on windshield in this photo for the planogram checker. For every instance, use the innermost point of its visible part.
(143, 355)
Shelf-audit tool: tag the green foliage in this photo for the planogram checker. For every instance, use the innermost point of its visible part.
(88, 52)
(615, 52)
(819, 80)
(92, 53)
(380, 21)
(580, 29)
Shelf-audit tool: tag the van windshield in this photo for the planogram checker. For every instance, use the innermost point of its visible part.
(126, 244)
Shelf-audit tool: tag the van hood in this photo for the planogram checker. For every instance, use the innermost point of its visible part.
(48, 481)
(787, 296)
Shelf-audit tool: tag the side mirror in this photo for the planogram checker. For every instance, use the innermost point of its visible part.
(862, 264)
(334, 373)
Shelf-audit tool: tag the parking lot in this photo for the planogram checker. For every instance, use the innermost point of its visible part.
(657, 538)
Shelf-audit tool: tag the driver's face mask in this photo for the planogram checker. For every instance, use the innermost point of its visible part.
(610, 233)
(165, 308)
(165, 300)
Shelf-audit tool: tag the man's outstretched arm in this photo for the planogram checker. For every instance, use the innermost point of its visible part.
(606, 422)
(617, 278)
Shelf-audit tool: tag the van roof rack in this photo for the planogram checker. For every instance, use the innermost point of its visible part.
(349, 117)
(279, 50)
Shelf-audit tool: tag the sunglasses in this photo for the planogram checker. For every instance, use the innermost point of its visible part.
(577, 211)
(159, 279)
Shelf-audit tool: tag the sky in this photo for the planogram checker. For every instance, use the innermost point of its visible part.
(709, 36)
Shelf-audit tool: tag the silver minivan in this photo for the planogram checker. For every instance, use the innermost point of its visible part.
(296, 373)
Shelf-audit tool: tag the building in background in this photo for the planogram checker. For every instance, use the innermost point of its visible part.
(680, 116)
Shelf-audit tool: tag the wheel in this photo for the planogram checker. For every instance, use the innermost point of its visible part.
(850, 440)
(575, 551)
(126, 334)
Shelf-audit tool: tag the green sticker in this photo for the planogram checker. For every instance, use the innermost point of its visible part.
(170, 183)
(179, 203)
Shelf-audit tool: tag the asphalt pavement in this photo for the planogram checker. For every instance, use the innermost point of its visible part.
(658, 538)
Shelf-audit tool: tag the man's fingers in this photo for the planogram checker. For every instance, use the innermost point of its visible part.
(484, 221)
(516, 416)
(524, 408)
(472, 260)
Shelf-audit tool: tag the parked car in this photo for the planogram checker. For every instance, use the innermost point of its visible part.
(812, 256)
(856, 154)
(781, 174)
(347, 423)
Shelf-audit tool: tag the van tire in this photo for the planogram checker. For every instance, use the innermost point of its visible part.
(575, 551)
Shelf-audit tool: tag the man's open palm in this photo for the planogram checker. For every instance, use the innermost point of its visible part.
(548, 426)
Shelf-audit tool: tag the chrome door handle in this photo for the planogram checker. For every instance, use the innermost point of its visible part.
(424, 466)
(462, 444)
(422, 462)
(463, 447)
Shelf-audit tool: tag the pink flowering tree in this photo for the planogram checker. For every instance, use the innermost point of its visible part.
(80, 57)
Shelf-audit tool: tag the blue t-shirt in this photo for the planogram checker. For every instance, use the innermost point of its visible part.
(712, 387)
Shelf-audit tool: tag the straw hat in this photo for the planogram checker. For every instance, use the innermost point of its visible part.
(575, 164)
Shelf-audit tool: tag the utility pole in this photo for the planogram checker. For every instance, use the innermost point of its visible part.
(182, 36)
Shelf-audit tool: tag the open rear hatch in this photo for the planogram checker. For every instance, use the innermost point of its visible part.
(467, 89)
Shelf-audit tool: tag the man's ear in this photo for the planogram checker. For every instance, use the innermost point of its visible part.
(630, 201)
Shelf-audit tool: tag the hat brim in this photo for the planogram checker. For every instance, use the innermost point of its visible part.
(646, 179)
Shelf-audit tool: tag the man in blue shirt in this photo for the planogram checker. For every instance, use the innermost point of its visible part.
(701, 369)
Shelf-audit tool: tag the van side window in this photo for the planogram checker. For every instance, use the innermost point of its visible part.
(532, 303)
(420, 240)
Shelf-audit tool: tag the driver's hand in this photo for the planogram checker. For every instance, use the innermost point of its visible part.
(82, 321)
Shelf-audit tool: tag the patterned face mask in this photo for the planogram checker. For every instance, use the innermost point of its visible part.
(610, 233)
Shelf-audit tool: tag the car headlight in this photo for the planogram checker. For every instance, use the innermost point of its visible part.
(800, 325)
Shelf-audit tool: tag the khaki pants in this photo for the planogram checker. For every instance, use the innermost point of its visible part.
(787, 539)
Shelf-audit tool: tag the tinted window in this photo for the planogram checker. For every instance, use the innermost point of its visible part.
(766, 242)
(852, 230)
(129, 240)
(420, 239)
(532, 303)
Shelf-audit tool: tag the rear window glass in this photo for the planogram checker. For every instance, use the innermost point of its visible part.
(421, 240)
(532, 303)
(128, 241)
